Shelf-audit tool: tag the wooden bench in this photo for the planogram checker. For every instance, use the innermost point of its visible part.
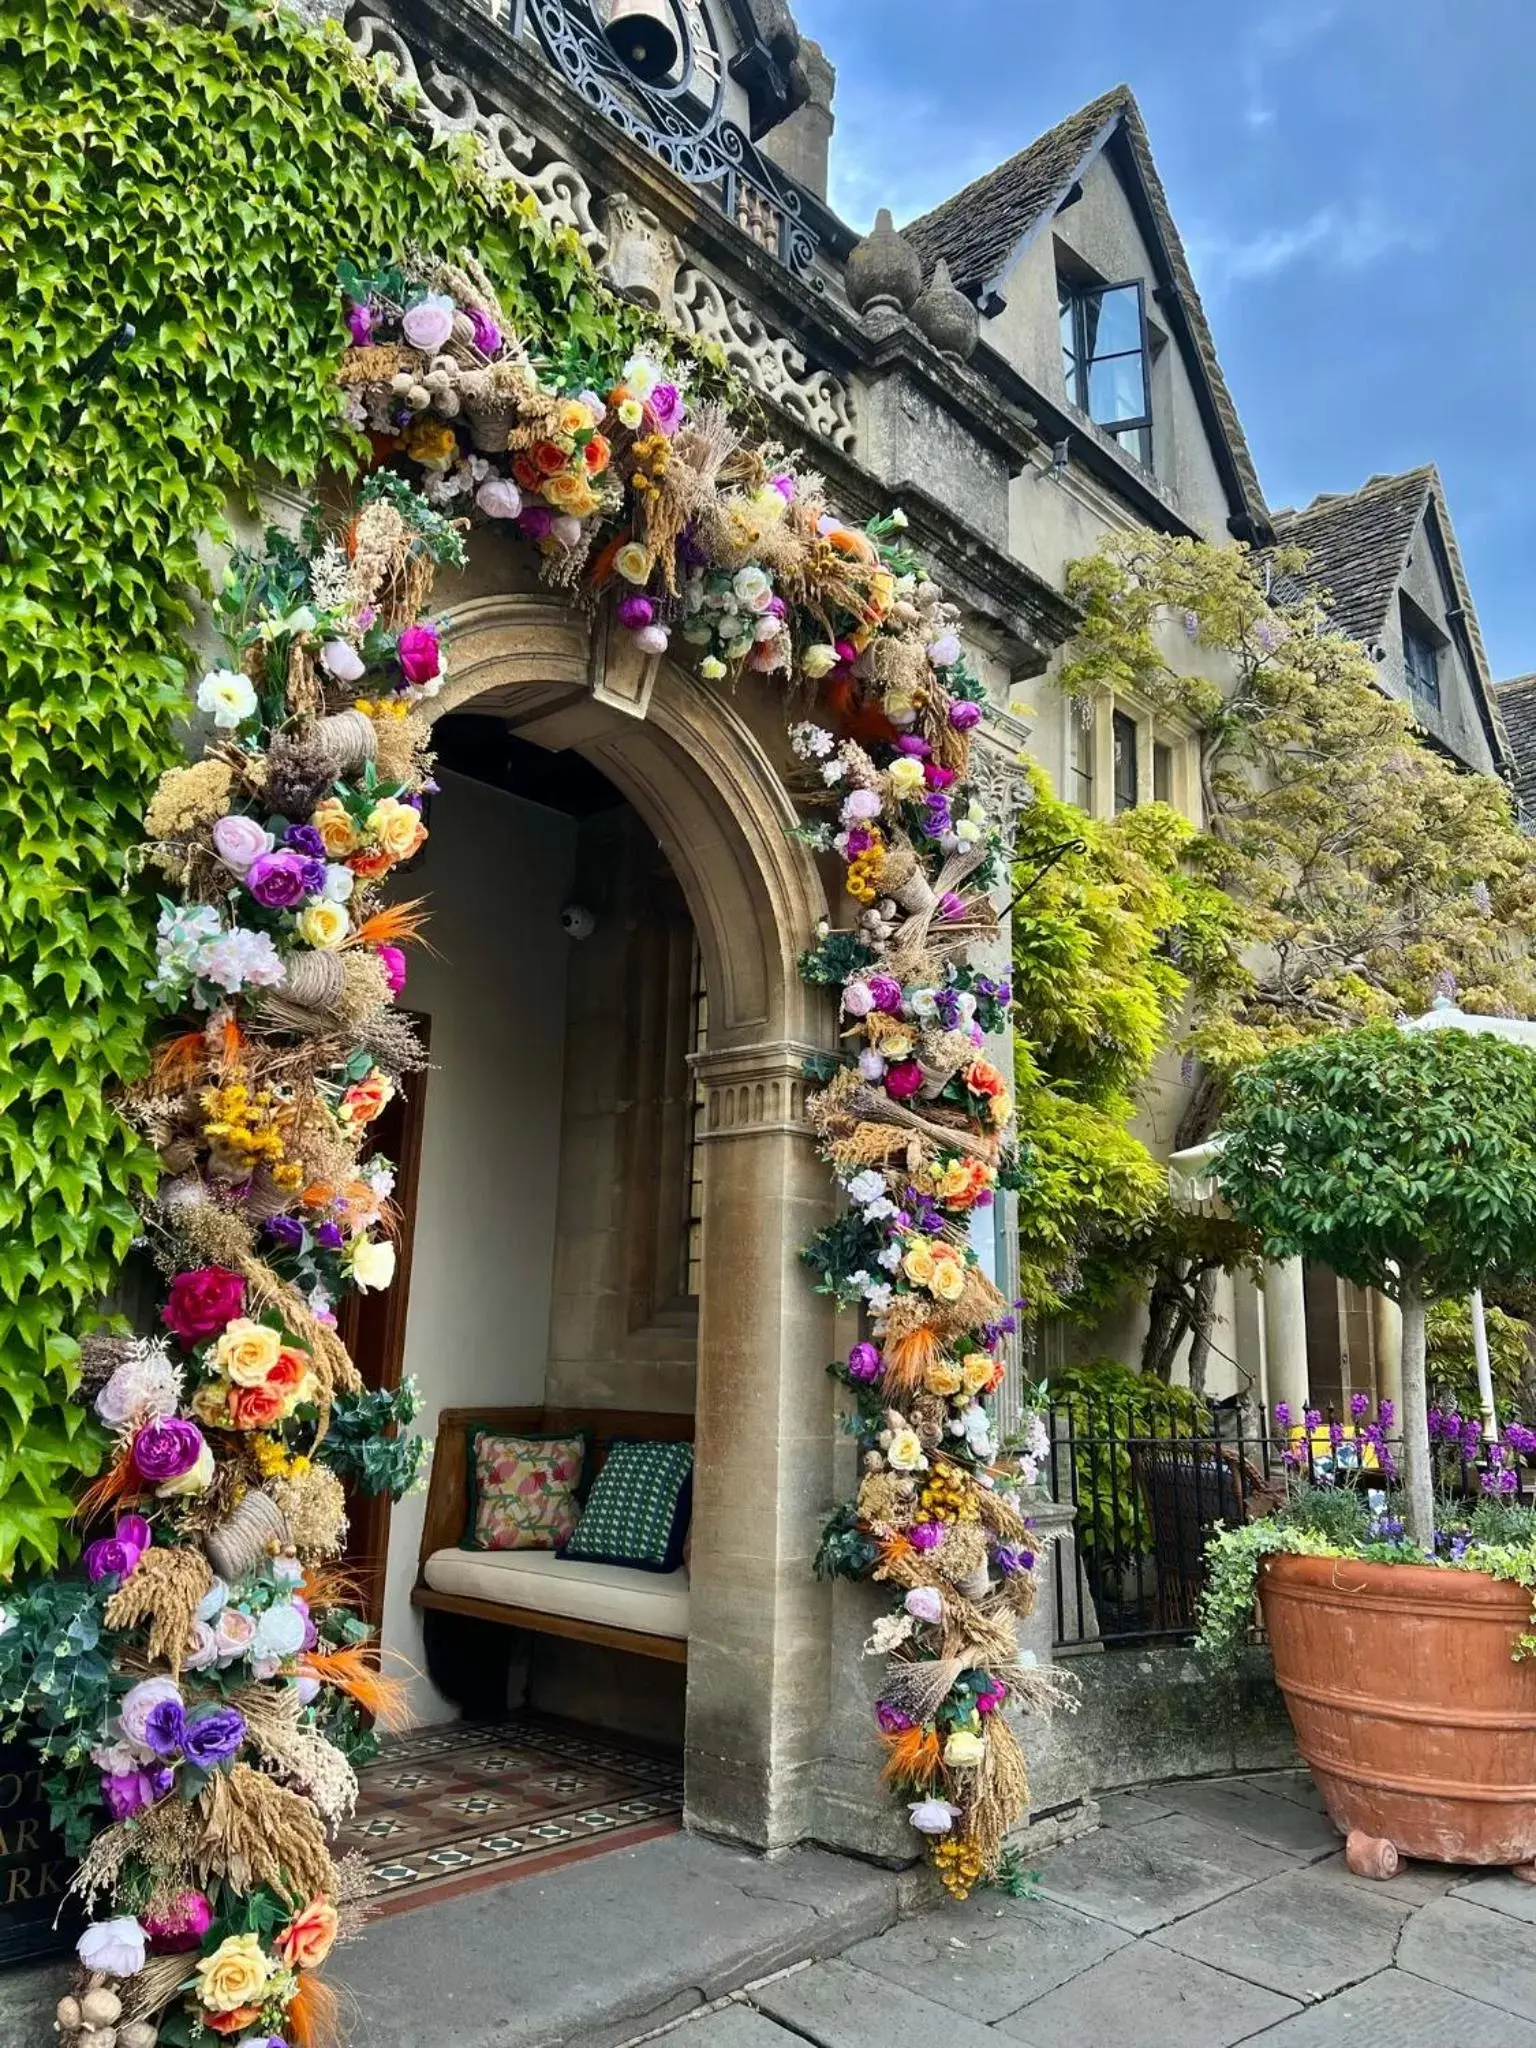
(467, 1651)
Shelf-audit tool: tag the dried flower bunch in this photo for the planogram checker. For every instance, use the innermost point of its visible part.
(214, 1761)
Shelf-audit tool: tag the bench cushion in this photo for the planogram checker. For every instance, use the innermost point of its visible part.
(651, 1603)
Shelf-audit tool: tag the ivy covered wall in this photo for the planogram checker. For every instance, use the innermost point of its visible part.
(201, 181)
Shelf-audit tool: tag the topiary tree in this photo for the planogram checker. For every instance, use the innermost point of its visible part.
(1406, 1162)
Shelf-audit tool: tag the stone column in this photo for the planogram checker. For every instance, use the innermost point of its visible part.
(1285, 1335)
(760, 1623)
(1387, 1331)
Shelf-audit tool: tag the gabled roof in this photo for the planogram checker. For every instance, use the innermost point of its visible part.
(1359, 542)
(1517, 706)
(980, 231)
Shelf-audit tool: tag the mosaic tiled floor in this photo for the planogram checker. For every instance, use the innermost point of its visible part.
(450, 1809)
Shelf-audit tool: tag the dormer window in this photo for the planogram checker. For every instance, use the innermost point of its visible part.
(1421, 664)
(1104, 360)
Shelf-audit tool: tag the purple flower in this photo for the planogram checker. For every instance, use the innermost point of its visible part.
(305, 839)
(329, 1236)
(886, 991)
(892, 1720)
(534, 522)
(487, 335)
(635, 612)
(1313, 1418)
(1358, 1404)
(667, 404)
(129, 1792)
(1011, 1561)
(282, 879)
(909, 743)
(1282, 1415)
(165, 1731)
(937, 819)
(213, 1736)
(950, 905)
(864, 1362)
(360, 325)
(167, 1449)
(108, 1557)
(286, 1231)
(784, 484)
(135, 1531)
(926, 1535)
(963, 714)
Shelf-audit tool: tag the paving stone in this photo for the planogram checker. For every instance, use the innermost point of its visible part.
(1304, 1935)
(601, 1950)
(1394, 2010)
(1285, 1824)
(985, 1958)
(1143, 1877)
(1417, 1883)
(1148, 1994)
(1130, 1809)
(1297, 1786)
(733, 2026)
(838, 2005)
(1500, 1894)
(1470, 1948)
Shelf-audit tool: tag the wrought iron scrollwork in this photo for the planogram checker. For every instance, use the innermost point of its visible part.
(681, 120)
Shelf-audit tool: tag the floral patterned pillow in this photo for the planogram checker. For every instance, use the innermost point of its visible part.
(522, 1490)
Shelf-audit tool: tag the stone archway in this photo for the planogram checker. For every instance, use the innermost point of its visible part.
(690, 761)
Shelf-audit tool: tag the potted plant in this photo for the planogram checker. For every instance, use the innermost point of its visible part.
(1402, 1645)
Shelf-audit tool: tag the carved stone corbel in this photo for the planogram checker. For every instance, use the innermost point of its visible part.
(643, 256)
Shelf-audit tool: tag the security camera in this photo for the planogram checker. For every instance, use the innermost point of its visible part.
(577, 922)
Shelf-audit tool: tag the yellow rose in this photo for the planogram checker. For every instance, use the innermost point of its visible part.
(633, 562)
(631, 412)
(897, 1045)
(1002, 1108)
(819, 659)
(234, 1975)
(429, 441)
(963, 1749)
(978, 1371)
(905, 775)
(918, 1263)
(952, 1181)
(899, 704)
(904, 1453)
(372, 1262)
(574, 418)
(564, 489)
(943, 1380)
(948, 1281)
(337, 832)
(324, 925)
(397, 827)
(882, 591)
(248, 1351)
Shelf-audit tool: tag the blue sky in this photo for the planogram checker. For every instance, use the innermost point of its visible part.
(1356, 186)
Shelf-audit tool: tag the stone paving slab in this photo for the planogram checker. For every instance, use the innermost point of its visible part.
(1501, 1894)
(1394, 2010)
(1130, 1809)
(1151, 1996)
(1144, 1877)
(1304, 1934)
(733, 2026)
(1471, 1948)
(601, 1950)
(1286, 1824)
(987, 1958)
(838, 2005)
(1297, 1786)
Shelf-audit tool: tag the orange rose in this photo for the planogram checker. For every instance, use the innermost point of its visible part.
(982, 1078)
(289, 1373)
(364, 1100)
(526, 472)
(596, 455)
(306, 1941)
(369, 866)
(255, 1407)
(548, 459)
(231, 2022)
(337, 832)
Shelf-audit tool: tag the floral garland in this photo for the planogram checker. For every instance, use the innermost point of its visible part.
(203, 1689)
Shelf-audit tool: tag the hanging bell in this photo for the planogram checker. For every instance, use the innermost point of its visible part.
(643, 36)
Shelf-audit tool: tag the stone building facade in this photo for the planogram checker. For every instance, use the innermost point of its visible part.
(1027, 368)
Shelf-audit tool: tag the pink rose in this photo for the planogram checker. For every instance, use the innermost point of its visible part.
(202, 1302)
(238, 841)
(903, 1080)
(392, 960)
(429, 323)
(857, 1000)
(418, 654)
(667, 405)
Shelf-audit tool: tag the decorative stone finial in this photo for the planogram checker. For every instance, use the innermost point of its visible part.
(947, 316)
(883, 273)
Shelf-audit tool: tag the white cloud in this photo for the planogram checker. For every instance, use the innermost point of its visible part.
(1272, 42)
(1333, 237)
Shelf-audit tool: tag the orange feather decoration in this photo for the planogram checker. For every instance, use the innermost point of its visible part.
(350, 1672)
(396, 925)
(115, 1484)
(909, 1358)
(314, 2016)
(179, 1061)
(913, 1757)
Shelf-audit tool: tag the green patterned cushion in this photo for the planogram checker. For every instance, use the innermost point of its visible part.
(523, 1490)
(637, 1512)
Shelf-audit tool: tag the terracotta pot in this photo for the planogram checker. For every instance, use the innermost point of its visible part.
(1413, 1716)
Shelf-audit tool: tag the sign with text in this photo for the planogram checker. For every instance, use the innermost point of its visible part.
(34, 1870)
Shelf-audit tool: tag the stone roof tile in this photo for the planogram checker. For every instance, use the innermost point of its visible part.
(1359, 542)
(1516, 700)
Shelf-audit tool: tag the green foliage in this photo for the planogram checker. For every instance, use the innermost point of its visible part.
(1451, 1363)
(1109, 1403)
(203, 180)
(1232, 1558)
(55, 1688)
(845, 1551)
(1108, 942)
(363, 1446)
(1392, 1157)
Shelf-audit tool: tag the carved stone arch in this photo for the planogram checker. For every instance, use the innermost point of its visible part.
(689, 760)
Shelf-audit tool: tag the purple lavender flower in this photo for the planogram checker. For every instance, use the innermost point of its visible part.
(1282, 1415)
(946, 1007)
(1011, 1561)
(1386, 1414)
(937, 819)
(1358, 1404)
(360, 325)
(1313, 1418)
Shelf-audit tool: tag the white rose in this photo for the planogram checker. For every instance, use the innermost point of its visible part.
(227, 697)
(372, 1263)
(115, 1947)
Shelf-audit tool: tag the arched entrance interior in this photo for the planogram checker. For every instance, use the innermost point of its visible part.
(555, 1132)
